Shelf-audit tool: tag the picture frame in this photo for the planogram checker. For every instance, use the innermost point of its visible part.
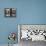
(10, 12)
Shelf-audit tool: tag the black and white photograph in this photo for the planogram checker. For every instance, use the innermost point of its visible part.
(10, 12)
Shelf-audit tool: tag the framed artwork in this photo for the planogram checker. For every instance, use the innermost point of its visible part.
(32, 32)
(10, 12)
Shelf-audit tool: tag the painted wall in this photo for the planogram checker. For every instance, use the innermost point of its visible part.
(28, 12)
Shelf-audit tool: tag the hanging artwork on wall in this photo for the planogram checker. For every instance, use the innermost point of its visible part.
(32, 32)
(10, 12)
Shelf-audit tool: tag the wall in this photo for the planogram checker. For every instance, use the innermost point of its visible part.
(33, 12)
(28, 12)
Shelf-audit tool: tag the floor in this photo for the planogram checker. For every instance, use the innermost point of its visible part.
(7, 45)
(30, 43)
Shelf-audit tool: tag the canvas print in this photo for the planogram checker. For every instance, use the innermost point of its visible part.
(10, 12)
